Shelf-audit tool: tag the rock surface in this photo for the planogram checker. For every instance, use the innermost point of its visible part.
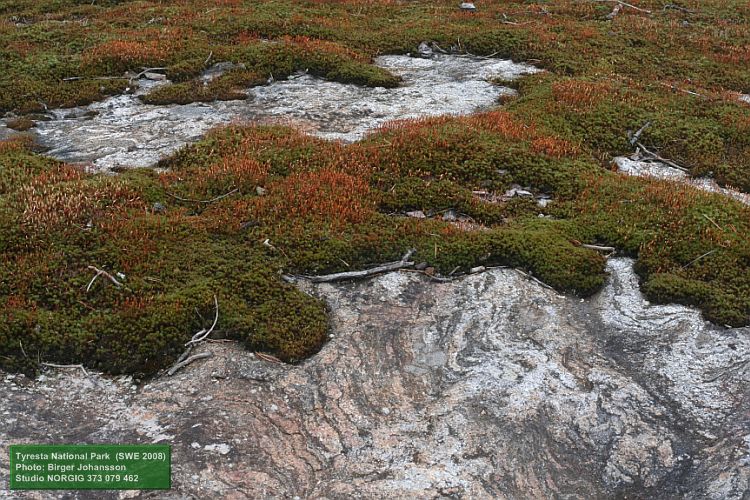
(662, 171)
(487, 386)
(127, 133)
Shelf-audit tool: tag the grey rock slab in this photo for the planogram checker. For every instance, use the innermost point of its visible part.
(486, 386)
(662, 171)
(127, 133)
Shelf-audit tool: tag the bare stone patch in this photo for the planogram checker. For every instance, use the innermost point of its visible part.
(487, 386)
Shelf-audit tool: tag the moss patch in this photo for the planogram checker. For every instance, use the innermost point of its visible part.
(327, 207)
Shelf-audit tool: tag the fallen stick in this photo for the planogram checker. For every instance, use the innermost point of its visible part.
(212, 200)
(699, 258)
(78, 367)
(684, 91)
(599, 248)
(182, 364)
(201, 335)
(100, 272)
(385, 268)
(677, 7)
(537, 280)
(709, 219)
(267, 357)
(658, 158)
(625, 4)
(432, 277)
(615, 11)
(637, 136)
(77, 78)
(146, 70)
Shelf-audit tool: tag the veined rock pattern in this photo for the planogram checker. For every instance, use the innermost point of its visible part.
(486, 386)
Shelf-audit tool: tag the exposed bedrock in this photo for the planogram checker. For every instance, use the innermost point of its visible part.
(122, 131)
(486, 386)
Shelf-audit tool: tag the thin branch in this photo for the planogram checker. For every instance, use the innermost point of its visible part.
(100, 272)
(77, 78)
(699, 258)
(201, 335)
(684, 91)
(615, 11)
(658, 158)
(637, 136)
(267, 357)
(599, 248)
(189, 360)
(146, 70)
(408, 254)
(385, 268)
(212, 200)
(537, 280)
(677, 7)
(726, 372)
(625, 4)
(709, 219)
(23, 350)
(78, 367)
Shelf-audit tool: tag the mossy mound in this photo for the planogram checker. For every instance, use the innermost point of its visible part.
(327, 207)
(203, 228)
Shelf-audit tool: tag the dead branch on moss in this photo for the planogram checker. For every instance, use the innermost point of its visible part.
(677, 7)
(615, 11)
(684, 91)
(507, 20)
(709, 219)
(651, 156)
(146, 70)
(599, 248)
(77, 367)
(205, 202)
(101, 272)
(634, 138)
(78, 78)
(711, 252)
(267, 357)
(189, 360)
(201, 335)
(535, 279)
(385, 268)
(625, 4)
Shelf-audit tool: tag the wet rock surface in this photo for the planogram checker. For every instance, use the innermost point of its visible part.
(661, 171)
(123, 132)
(487, 386)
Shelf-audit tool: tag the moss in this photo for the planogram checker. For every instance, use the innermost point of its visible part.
(227, 87)
(327, 206)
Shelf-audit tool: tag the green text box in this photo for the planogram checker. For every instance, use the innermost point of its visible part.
(90, 467)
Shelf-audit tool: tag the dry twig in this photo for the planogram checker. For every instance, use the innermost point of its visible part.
(182, 364)
(385, 268)
(655, 157)
(212, 200)
(599, 248)
(100, 272)
(625, 4)
(201, 335)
